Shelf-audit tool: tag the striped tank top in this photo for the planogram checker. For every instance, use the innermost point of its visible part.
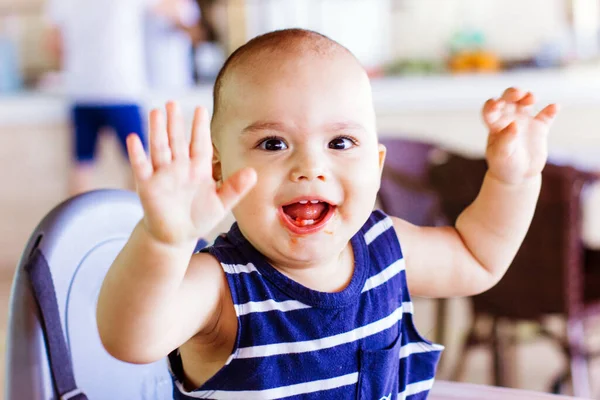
(296, 343)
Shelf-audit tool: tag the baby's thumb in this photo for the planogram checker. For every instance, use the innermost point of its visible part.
(236, 187)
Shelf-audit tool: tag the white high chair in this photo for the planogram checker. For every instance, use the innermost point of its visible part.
(53, 346)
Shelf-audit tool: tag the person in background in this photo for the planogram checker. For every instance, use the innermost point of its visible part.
(210, 51)
(100, 49)
(170, 35)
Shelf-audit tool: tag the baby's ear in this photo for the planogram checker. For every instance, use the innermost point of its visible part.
(382, 152)
(216, 166)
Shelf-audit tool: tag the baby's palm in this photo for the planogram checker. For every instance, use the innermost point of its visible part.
(180, 198)
(517, 143)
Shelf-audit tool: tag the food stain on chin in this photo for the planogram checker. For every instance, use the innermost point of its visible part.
(294, 240)
(329, 232)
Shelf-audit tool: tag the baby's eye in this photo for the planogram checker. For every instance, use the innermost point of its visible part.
(272, 144)
(342, 143)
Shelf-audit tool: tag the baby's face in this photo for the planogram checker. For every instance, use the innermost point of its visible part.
(307, 126)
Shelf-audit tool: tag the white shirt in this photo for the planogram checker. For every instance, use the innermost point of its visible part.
(169, 50)
(103, 48)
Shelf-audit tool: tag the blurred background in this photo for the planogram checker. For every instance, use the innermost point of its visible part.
(433, 63)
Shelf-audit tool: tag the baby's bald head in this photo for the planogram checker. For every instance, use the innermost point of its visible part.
(309, 97)
(265, 53)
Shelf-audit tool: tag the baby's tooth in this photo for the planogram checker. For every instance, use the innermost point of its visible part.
(303, 201)
(314, 201)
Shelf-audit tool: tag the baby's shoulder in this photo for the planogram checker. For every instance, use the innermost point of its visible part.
(205, 267)
(377, 224)
(224, 250)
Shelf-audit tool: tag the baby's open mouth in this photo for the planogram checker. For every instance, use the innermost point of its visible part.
(306, 212)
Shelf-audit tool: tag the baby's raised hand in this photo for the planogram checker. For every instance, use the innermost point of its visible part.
(180, 198)
(517, 146)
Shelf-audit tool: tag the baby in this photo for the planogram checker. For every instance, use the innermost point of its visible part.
(307, 296)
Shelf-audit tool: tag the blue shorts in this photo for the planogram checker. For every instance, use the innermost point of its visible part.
(89, 119)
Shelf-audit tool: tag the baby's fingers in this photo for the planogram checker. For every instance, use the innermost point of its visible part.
(492, 111)
(513, 95)
(527, 100)
(502, 144)
(160, 152)
(140, 165)
(236, 187)
(175, 129)
(201, 143)
(547, 114)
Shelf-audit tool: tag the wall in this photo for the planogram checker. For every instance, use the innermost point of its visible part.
(375, 30)
(513, 28)
(380, 30)
(361, 25)
(24, 22)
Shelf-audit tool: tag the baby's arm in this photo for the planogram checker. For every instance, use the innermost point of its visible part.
(473, 255)
(156, 295)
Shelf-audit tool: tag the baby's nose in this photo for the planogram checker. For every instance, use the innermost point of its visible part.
(308, 168)
(307, 174)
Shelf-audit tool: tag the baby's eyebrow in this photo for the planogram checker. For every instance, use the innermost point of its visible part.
(344, 126)
(264, 126)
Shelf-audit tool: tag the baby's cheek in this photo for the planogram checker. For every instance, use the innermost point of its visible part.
(259, 199)
(234, 159)
(364, 195)
(363, 181)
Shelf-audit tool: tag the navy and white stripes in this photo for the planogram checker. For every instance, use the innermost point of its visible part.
(297, 343)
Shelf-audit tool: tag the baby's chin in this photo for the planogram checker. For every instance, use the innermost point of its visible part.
(312, 249)
(306, 257)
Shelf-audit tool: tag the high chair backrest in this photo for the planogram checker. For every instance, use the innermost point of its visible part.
(70, 251)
